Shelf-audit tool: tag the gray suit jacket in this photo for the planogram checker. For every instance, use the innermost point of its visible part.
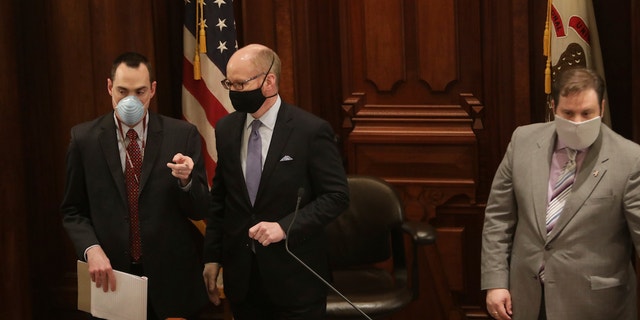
(588, 255)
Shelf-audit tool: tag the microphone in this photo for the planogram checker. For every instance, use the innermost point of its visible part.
(286, 246)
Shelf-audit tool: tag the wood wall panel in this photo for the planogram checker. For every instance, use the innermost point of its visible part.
(451, 243)
(439, 43)
(422, 135)
(384, 43)
(437, 36)
(16, 286)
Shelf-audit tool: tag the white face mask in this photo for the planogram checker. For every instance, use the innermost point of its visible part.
(577, 135)
(130, 110)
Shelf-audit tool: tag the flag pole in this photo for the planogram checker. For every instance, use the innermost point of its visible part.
(202, 33)
(547, 69)
(196, 59)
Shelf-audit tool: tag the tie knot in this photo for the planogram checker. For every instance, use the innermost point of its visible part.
(255, 125)
(571, 153)
(132, 135)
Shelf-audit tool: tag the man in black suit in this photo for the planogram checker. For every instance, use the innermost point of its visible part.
(251, 219)
(103, 219)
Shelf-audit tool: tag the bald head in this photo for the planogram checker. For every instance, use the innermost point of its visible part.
(254, 59)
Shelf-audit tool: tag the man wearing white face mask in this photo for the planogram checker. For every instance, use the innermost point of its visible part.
(134, 178)
(563, 216)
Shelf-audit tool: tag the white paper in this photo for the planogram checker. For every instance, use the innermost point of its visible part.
(128, 302)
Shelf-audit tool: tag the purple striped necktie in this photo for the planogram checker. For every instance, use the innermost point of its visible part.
(561, 190)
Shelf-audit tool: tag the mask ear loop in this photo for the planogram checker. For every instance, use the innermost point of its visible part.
(266, 75)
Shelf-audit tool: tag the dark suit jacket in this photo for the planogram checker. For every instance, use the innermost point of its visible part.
(302, 153)
(95, 207)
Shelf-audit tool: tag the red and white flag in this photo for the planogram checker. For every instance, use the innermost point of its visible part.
(571, 40)
(209, 41)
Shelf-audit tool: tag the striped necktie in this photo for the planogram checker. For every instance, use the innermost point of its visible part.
(561, 189)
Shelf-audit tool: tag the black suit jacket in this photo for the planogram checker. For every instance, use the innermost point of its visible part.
(302, 154)
(95, 209)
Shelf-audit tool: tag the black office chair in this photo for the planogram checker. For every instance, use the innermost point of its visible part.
(361, 240)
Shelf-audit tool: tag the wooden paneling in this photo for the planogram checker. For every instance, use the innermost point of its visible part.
(437, 54)
(384, 43)
(410, 52)
(56, 56)
(16, 287)
(410, 119)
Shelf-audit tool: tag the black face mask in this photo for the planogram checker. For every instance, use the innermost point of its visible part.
(250, 101)
(247, 101)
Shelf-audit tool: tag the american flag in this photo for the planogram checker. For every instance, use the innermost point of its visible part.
(204, 100)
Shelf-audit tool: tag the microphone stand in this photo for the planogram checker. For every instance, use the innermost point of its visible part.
(286, 246)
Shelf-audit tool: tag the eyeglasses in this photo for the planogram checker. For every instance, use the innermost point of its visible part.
(227, 84)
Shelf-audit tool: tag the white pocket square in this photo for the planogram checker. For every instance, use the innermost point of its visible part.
(286, 158)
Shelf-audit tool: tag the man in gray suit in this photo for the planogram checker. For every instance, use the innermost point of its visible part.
(559, 230)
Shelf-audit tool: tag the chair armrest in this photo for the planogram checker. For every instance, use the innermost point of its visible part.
(421, 233)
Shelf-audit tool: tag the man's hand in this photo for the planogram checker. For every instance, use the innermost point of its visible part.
(181, 168)
(499, 303)
(210, 274)
(266, 233)
(100, 269)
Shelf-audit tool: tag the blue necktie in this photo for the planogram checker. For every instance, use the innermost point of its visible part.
(254, 161)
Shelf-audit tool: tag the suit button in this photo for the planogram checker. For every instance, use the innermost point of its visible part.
(547, 247)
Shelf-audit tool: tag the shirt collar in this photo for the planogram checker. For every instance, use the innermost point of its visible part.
(139, 128)
(268, 119)
(561, 145)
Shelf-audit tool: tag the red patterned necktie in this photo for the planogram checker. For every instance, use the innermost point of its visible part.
(133, 165)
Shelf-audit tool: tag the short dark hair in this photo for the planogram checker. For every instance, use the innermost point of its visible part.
(576, 80)
(132, 60)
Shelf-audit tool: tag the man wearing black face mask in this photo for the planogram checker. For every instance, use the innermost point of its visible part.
(134, 178)
(563, 217)
(267, 151)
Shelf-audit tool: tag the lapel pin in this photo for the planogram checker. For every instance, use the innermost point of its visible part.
(595, 173)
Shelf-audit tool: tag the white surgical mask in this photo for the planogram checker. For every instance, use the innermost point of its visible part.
(577, 135)
(130, 110)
